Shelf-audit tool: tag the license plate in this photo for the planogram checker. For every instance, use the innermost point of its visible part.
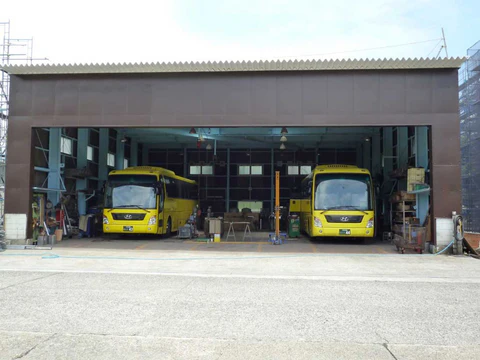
(345, 232)
(128, 228)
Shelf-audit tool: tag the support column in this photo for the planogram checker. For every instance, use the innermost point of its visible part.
(18, 182)
(82, 184)
(119, 152)
(367, 159)
(54, 160)
(272, 180)
(402, 151)
(359, 154)
(387, 160)
(376, 156)
(145, 153)
(227, 203)
(102, 157)
(387, 165)
(185, 163)
(421, 160)
(134, 153)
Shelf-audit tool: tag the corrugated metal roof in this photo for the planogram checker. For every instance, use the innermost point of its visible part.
(237, 66)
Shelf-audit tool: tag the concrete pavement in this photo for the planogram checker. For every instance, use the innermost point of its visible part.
(93, 304)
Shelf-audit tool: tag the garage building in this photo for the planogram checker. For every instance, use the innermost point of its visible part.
(230, 126)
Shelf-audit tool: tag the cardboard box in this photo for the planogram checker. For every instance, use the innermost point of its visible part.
(415, 176)
(404, 196)
(58, 235)
(404, 206)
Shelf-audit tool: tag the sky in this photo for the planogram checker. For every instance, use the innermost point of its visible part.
(104, 31)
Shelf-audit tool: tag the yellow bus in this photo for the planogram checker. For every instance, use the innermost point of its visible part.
(337, 201)
(147, 200)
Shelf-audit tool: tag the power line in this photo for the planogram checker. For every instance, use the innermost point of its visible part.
(359, 50)
(438, 43)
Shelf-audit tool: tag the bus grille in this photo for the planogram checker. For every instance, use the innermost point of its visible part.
(128, 217)
(347, 219)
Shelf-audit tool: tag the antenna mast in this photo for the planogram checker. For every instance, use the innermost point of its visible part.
(444, 46)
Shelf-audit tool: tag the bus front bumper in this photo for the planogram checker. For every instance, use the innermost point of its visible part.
(130, 229)
(344, 232)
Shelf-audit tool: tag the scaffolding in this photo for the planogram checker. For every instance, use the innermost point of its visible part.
(469, 101)
(12, 51)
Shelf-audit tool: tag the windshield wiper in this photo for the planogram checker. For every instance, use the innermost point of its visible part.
(129, 206)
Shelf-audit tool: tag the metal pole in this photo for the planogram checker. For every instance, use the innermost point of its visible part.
(277, 205)
(444, 42)
(227, 203)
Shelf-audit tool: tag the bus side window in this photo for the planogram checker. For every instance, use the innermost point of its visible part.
(180, 189)
(171, 186)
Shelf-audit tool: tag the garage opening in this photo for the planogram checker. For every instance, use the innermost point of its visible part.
(233, 169)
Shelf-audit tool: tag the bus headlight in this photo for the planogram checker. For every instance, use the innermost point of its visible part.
(153, 220)
(317, 222)
(105, 220)
(370, 223)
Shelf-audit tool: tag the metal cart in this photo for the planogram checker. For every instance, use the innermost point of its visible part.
(413, 238)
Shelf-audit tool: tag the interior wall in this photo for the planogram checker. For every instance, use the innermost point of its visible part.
(245, 187)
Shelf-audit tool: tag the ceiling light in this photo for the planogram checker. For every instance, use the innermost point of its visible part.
(367, 139)
(283, 138)
(209, 147)
(282, 147)
(192, 131)
(200, 138)
(284, 131)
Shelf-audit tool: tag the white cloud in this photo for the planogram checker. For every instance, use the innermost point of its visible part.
(144, 31)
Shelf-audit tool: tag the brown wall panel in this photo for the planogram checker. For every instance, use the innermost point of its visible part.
(21, 97)
(340, 93)
(66, 98)
(392, 93)
(366, 99)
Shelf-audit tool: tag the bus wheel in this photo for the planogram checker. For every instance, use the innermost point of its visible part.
(168, 230)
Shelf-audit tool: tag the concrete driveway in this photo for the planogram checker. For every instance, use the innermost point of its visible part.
(154, 304)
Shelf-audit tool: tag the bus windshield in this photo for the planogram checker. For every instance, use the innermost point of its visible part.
(131, 191)
(343, 192)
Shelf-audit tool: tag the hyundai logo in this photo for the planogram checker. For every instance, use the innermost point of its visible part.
(344, 218)
(127, 217)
